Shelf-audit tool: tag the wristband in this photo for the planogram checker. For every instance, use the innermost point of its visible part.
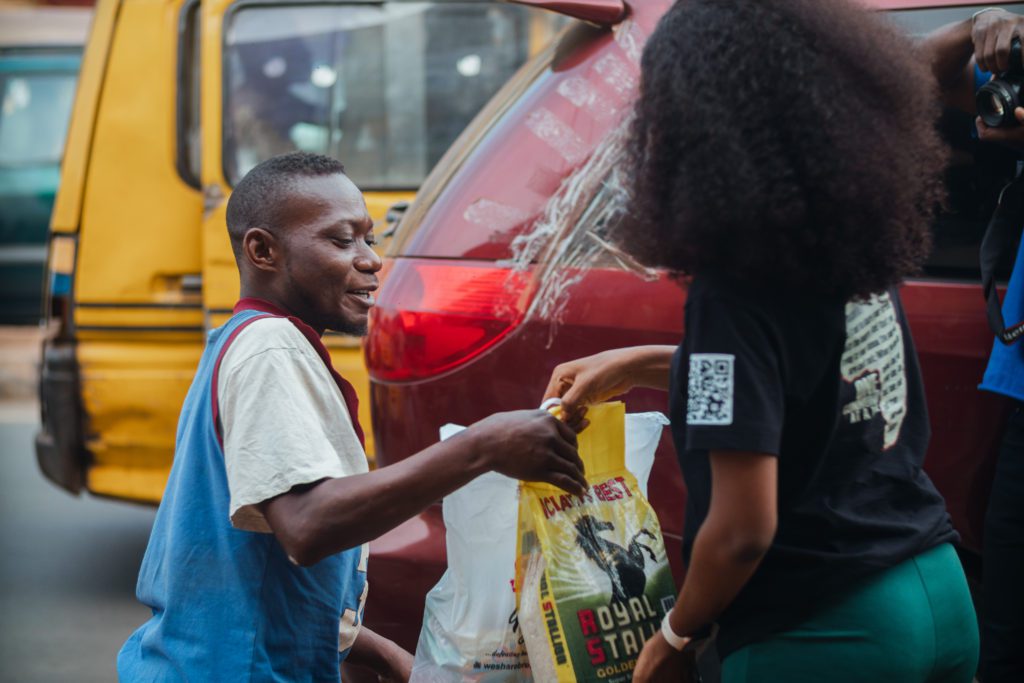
(675, 641)
(982, 11)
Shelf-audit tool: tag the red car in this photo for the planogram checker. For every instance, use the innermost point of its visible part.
(499, 272)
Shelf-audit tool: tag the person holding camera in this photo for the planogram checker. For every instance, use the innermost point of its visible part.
(793, 180)
(978, 66)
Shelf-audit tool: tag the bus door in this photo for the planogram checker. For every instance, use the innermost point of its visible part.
(124, 260)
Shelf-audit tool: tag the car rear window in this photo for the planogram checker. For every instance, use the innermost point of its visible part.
(512, 180)
(537, 136)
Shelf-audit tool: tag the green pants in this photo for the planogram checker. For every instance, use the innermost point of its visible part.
(914, 623)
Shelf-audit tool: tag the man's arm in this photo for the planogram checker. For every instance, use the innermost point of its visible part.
(950, 51)
(384, 657)
(332, 515)
(955, 49)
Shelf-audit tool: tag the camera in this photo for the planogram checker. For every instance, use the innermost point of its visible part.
(998, 98)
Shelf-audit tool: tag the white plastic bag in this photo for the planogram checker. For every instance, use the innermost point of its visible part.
(643, 432)
(470, 630)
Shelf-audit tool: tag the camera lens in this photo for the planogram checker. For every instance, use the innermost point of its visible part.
(996, 101)
(996, 106)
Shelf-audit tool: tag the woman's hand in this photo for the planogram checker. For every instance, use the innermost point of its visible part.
(659, 661)
(604, 375)
(589, 380)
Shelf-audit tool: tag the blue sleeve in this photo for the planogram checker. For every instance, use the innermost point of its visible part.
(980, 77)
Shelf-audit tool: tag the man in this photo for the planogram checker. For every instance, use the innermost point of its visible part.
(963, 55)
(258, 552)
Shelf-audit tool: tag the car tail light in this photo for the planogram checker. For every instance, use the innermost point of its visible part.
(433, 316)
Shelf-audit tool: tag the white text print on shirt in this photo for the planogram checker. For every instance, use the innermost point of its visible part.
(873, 362)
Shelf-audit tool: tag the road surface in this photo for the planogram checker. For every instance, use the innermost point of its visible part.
(67, 568)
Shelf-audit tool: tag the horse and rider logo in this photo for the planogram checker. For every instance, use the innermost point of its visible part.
(623, 566)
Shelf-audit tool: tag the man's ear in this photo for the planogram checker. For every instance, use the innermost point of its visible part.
(261, 249)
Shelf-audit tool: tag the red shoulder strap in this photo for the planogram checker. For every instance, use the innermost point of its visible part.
(216, 373)
(348, 392)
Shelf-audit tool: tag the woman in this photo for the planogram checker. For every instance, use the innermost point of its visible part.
(783, 156)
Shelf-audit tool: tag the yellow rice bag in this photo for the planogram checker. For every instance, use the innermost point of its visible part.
(593, 581)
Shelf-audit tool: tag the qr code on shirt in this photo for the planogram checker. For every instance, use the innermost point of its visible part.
(710, 389)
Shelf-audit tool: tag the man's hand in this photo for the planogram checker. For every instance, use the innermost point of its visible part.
(992, 33)
(530, 445)
(1008, 136)
(389, 661)
(659, 661)
(398, 666)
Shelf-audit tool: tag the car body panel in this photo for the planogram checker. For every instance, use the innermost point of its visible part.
(953, 341)
(508, 180)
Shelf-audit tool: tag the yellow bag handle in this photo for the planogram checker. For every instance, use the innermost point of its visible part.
(602, 445)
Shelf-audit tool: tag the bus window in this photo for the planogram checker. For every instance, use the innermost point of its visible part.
(384, 88)
(34, 118)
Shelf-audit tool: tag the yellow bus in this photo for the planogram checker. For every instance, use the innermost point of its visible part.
(176, 101)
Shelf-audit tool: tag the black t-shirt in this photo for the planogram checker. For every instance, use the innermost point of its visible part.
(831, 388)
